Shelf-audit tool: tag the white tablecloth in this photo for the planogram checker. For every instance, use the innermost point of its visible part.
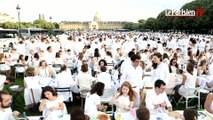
(65, 117)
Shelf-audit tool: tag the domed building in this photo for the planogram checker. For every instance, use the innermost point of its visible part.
(4, 17)
(96, 24)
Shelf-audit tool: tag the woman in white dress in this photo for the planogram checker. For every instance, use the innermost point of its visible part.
(188, 81)
(44, 70)
(52, 105)
(32, 91)
(124, 100)
(45, 73)
(93, 100)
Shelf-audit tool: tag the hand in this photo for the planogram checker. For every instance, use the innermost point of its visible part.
(170, 109)
(43, 102)
(163, 104)
(104, 108)
(16, 113)
(53, 108)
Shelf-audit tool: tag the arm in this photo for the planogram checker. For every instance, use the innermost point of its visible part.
(208, 103)
(114, 99)
(184, 79)
(149, 102)
(168, 104)
(25, 84)
(198, 71)
(42, 105)
(130, 106)
(60, 107)
(123, 77)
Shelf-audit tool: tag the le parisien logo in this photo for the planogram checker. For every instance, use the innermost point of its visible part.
(198, 12)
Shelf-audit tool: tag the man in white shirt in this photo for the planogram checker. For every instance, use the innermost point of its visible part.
(127, 62)
(105, 78)
(5, 110)
(156, 100)
(63, 80)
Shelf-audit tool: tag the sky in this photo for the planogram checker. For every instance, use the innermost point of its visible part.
(84, 10)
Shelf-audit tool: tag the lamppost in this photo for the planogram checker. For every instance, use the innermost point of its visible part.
(50, 19)
(18, 10)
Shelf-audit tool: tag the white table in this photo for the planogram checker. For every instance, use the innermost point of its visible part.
(164, 116)
(65, 117)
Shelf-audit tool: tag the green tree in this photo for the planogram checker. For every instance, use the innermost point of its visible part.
(56, 25)
(10, 25)
(44, 24)
(131, 26)
(150, 23)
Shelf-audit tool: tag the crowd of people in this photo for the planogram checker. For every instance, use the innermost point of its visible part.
(140, 68)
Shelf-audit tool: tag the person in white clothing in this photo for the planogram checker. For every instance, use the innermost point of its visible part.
(51, 104)
(127, 62)
(161, 69)
(5, 80)
(188, 81)
(84, 79)
(124, 100)
(105, 78)
(32, 91)
(93, 102)
(5, 110)
(63, 80)
(156, 100)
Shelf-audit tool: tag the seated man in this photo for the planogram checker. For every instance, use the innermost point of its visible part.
(105, 78)
(142, 113)
(5, 80)
(5, 110)
(156, 100)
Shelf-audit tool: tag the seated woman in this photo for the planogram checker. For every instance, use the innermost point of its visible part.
(93, 102)
(45, 72)
(173, 66)
(124, 100)
(51, 105)
(209, 103)
(190, 114)
(188, 81)
(202, 70)
(32, 87)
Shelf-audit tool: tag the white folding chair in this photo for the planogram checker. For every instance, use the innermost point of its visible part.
(19, 68)
(65, 92)
(106, 97)
(188, 97)
(57, 68)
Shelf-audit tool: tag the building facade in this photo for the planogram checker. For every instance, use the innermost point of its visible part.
(96, 24)
(6, 18)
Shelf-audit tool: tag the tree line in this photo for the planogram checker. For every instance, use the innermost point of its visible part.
(36, 24)
(201, 24)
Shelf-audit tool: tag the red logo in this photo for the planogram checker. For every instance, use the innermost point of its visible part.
(199, 12)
